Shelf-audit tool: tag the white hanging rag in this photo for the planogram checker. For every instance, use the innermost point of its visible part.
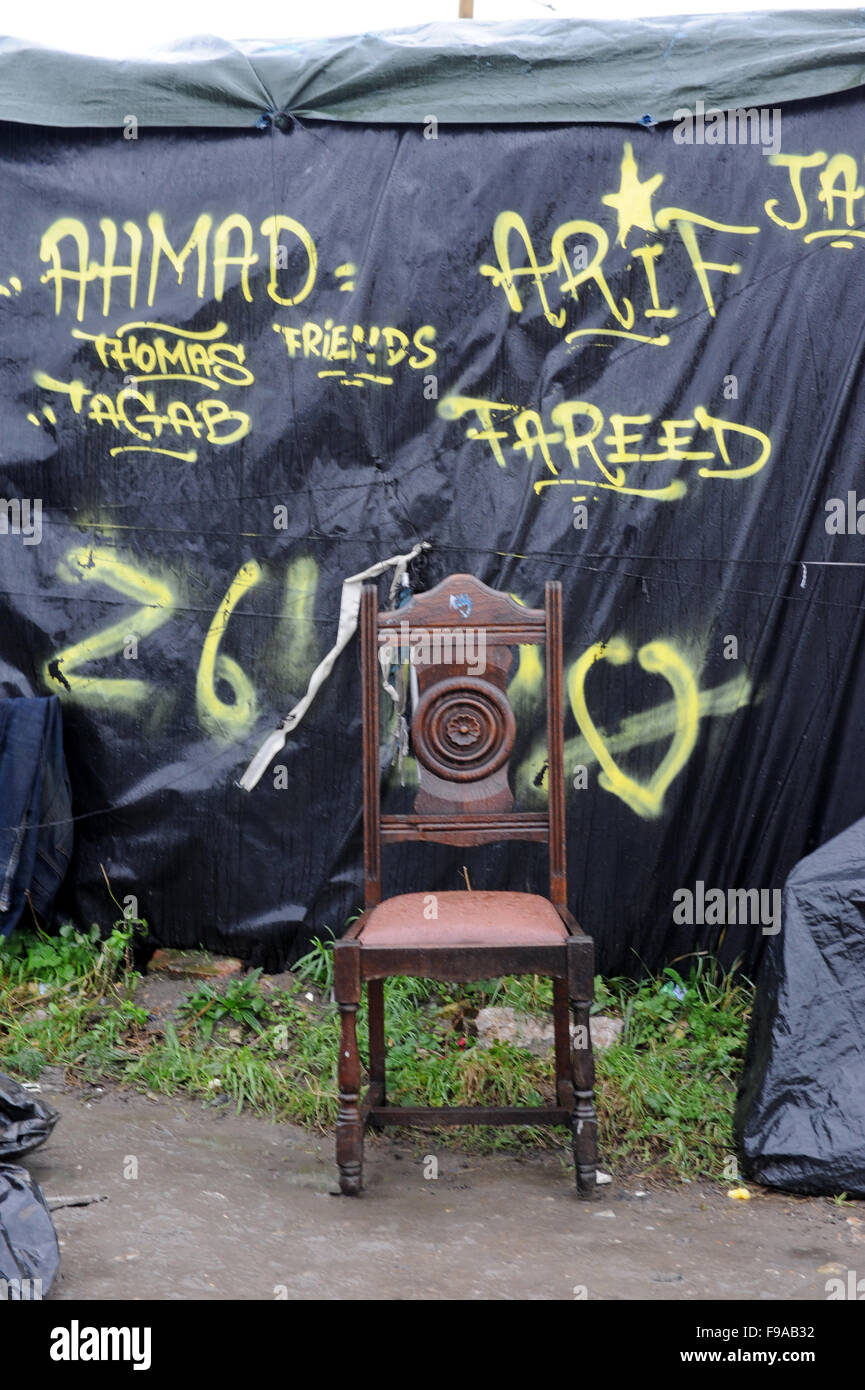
(349, 608)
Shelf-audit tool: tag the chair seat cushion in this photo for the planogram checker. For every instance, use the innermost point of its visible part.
(464, 919)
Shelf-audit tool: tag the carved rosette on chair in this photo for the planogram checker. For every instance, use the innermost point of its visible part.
(462, 735)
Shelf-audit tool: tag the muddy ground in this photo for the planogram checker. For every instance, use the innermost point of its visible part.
(233, 1207)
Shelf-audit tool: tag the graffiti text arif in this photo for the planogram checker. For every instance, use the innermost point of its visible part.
(576, 266)
(578, 251)
(576, 445)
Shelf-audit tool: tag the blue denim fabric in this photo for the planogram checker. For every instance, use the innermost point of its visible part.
(34, 792)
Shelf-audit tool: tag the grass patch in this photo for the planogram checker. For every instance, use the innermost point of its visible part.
(665, 1091)
(68, 1001)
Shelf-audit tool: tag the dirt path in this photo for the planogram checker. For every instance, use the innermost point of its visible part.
(228, 1207)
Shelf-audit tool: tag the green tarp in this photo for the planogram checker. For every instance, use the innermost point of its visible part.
(548, 70)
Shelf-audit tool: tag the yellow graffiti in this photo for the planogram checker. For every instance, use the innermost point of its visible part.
(840, 243)
(455, 407)
(580, 248)
(271, 227)
(196, 241)
(226, 248)
(135, 412)
(837, 182)
(635, 731)
(296, 639)
(648, 255)
(599, 460)
(579, 266)
(529, 675)
(527, 680)
(223, 259)
(359, 379)
(685, 222)
(795, 164)
(173, 354)
(845, 168)
(222, 720)
(662, 340)
(378, 345)
(196, 356)
(188, 457)
(718, 427)
(633, 202)
(505, 273)
(671, 493)
(102, 566)
(677, 719)
(658, 658)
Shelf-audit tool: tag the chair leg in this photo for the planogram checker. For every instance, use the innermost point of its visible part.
(375, 1006)
(349, 1128)
(584, 1122)
(562, 1038)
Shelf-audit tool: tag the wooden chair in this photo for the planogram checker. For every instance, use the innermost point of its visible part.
(462, 734)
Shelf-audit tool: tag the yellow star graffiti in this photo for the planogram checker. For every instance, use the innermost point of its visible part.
(633, 202)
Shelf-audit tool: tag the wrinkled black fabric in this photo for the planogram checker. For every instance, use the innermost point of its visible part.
(36, 838)
(26, 1121)
(29, 1253)
(364, 472)
(800, 1116)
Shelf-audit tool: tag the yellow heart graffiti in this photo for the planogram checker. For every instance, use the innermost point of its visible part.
(658, 658)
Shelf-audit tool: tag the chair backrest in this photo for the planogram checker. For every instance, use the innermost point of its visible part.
(460, 635)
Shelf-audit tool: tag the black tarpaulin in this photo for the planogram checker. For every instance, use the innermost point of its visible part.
(25, 1121)
(801, 1113)
(239, 366)
(29, 1252)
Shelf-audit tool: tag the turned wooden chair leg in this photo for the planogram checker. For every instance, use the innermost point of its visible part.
(377, 1075)
(349, 1126)
(562, 1037)
(584, 1121)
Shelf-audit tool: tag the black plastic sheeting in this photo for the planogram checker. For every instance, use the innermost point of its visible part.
(800, 1116)
(36, 840)
(178, 601)
(466, 72)
(29, 1253)
(25, 1121)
